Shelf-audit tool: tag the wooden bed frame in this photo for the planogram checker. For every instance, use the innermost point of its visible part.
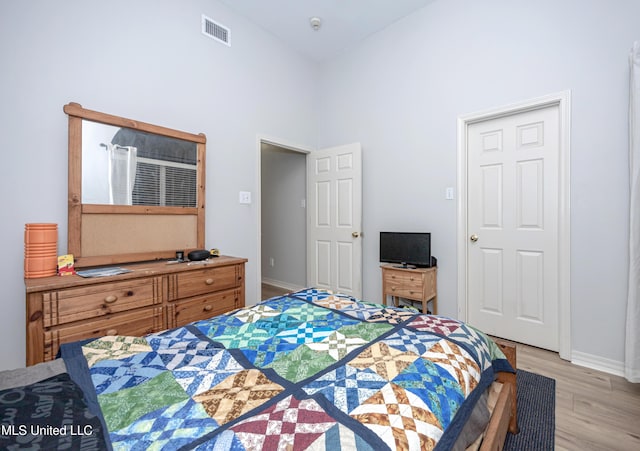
(504, 417)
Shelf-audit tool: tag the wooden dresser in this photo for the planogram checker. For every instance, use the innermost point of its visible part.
(414, 284)
(152, 297)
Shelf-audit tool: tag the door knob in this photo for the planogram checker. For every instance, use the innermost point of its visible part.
(474, 237)
(355, 234)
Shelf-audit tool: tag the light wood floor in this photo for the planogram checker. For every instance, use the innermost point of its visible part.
(594, 410)
(269, 291)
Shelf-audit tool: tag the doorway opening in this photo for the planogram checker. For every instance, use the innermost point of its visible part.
(282, 219)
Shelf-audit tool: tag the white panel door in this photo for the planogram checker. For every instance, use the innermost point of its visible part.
(334, 197)
(513, 187)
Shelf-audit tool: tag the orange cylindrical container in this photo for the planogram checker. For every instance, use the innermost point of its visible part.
(40, 250)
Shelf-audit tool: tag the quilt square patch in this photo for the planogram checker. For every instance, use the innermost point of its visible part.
(289, 424)
(457, 362)
(269, 351)
(411, 341)
(218, 325)
(256, 313)
(113, 347)
(336, 303)
(438, 324)
(305, 333)
(278, 323)
(123, 407)
(204, 372)
(247, 336)
(238, 394)
(400, 419)
(391, 316)
(346, 387)
(112, 375)
(166, 428)
(383, 360)
(337, 345)
(180, 338)
(435, 386)
(301, 363)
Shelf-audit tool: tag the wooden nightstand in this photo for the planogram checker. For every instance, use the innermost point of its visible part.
(418, 284)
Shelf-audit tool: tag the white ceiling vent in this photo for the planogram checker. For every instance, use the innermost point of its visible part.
(216, 31)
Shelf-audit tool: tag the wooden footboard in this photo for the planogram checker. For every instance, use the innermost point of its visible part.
(504, 415)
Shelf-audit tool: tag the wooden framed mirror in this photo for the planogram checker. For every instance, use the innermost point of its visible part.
(136, 190)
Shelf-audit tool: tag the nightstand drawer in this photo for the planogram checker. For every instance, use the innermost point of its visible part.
(75, 304)
(203, 307)
(206, 281)
(404, 280)
(405, 292)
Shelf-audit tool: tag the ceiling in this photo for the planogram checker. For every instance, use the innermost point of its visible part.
(344, 22)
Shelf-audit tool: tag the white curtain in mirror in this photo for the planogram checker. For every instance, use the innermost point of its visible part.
(122, 173)
(632, 337)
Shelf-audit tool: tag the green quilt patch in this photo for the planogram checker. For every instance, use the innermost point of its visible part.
(123, 407)
(247, 336)
(307, 312)
(364, 330)
(301, 363)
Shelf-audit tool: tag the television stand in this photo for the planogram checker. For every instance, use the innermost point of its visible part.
(414, 284)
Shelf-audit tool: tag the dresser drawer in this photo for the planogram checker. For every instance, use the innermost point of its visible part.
(135, 323)
(194, 283)
(75, 304)
(203, 307)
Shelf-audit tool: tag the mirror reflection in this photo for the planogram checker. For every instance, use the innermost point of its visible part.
(124, 166)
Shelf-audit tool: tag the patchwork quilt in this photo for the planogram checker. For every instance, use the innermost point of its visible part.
(312, 370)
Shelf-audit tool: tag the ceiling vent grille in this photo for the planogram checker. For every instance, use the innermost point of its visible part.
(216, 31)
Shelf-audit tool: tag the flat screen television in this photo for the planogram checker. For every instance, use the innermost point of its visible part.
(407, 249)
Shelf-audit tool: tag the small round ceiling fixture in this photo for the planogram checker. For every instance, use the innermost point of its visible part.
(315, 23)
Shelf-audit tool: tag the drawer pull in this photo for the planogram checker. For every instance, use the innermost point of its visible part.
(393, 288)
(209, 281)
(112, 332)
(411, 278)
(208, 308)
(111, 299)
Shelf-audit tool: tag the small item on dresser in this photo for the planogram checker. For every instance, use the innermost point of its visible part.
(215, 252)
(179, 256)
(102, 272)
(65, 265)
(40, 250)
(198, 255)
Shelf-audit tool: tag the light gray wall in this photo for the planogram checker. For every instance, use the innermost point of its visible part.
(284, 219)
(146, 60)
(401, 91)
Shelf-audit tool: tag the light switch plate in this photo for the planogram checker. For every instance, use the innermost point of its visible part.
(245, 197)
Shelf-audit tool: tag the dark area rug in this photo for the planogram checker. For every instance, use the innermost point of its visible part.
(536, 413)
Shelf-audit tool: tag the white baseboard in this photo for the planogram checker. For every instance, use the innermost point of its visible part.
(283, 285)
(598, 363)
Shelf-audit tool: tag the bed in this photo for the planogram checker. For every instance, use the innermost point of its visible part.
(311, 370)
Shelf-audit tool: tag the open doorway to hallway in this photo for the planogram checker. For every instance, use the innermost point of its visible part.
(283, 219)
